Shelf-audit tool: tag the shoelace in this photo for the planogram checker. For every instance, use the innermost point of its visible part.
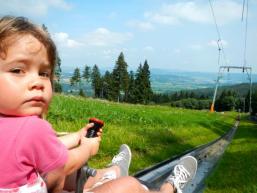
(116, 159)
(180, 175)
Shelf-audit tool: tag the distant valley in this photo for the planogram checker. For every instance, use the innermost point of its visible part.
(164, 81)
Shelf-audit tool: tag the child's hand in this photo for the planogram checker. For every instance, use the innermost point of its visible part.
(91, 143)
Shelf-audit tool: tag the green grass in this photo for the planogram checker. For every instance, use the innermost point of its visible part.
(154, 133)
(237, 170)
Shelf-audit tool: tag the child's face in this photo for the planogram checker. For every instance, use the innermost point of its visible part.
(25, 86)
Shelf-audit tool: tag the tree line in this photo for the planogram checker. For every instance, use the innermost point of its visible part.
(227, 100)
(117, 85)
(123, 86)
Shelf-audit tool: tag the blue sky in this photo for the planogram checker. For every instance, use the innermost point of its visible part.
(172, 35)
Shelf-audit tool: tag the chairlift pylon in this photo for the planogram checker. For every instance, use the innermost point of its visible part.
(223, 68)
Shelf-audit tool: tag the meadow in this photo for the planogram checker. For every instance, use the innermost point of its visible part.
(153, 132)
(156, 133)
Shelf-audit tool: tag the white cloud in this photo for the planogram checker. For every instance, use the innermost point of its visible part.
(104, 37)
(196, 11)
(31, 7)
(101, 37)
(163, 19)
(62, 39)
(141, 25)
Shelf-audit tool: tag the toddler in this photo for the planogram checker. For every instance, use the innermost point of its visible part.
(31, 149)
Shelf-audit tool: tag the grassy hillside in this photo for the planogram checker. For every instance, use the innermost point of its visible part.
(154, 133)
(237, 170)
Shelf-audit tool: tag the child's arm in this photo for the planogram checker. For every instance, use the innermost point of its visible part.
(79, 155)
(76, 159)
(70, 140)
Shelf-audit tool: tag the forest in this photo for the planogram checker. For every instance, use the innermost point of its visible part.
(135, 87)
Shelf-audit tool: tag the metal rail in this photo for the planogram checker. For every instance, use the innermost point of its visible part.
(207, 156)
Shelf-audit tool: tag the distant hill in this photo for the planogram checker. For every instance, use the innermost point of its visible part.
(241, 89)
(165, 81)
(168, 81)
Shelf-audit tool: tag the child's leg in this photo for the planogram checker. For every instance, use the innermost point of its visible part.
(127, 185)
(101, 177)
(118, 167)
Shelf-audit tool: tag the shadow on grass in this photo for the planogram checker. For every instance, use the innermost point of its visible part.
(164, 146)
(217, 127)
(167, 143)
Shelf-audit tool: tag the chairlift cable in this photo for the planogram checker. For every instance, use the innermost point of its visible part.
(219, 49)
(242, 18)
(218, 32)
(245, 9)
(246, 29)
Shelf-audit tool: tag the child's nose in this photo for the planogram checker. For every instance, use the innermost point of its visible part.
(36, 83)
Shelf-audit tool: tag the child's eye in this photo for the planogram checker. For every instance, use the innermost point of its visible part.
(16, 70)
(45, 74)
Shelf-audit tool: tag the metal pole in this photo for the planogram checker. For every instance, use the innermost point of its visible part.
(215, 92)
(250, 101)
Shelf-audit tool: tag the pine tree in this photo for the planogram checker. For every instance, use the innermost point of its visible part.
(120, 77)
(131, 88)
(147, 90)
(107, 86)
(75, 80)
(139, 98)
(86, 76)
(86, 73)
(96, 81)
(143, 90)
(226, 101)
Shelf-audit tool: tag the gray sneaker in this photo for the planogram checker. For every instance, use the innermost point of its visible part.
(122, 159)
(183, 172)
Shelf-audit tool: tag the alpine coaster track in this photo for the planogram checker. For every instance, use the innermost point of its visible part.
(207, 156)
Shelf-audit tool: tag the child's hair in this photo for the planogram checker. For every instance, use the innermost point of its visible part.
(11, 27)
